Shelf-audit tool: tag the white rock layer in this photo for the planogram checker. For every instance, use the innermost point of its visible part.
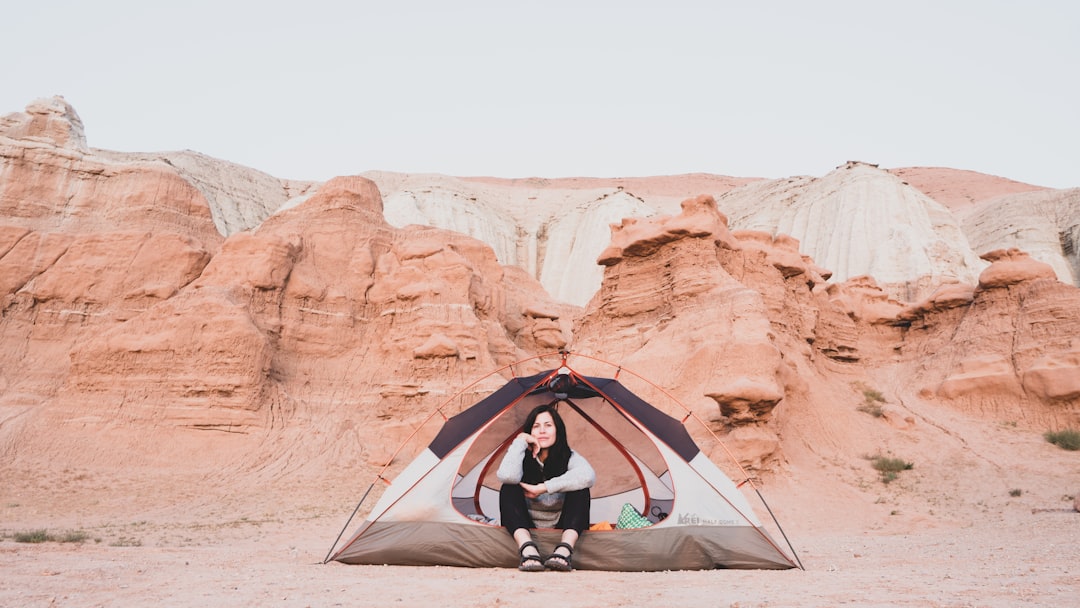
(860, 220)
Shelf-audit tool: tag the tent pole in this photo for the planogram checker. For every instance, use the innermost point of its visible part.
(346, 527)
(779, 527)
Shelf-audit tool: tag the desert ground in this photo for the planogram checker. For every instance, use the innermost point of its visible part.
(206, 541)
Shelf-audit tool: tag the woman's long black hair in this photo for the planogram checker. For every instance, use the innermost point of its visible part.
(558, 456)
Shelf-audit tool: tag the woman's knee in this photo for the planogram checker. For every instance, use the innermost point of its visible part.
(578, 499)
(511, 489)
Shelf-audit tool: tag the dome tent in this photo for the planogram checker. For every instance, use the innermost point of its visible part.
(442, 509)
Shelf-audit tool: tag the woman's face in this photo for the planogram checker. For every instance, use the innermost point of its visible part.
(543, 430)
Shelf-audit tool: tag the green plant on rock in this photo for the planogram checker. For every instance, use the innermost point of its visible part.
(872, 400)
(1068, 439)
(890, 468)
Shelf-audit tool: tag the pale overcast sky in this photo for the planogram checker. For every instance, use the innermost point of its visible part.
(313, 89)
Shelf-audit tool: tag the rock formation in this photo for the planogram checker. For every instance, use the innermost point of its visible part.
(552, 228)
(1011, 352)
(85, 243)
(49, 121)
(172, 310)
(958, 189)
(142, 322)
(847, 219)
(743, 320)
(1045, 224)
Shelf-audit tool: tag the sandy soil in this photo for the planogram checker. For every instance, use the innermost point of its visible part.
(196, 541)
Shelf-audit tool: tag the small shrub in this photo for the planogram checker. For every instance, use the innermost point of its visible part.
(1015, 492)
(873, 395)
(43, 536)
(889, 467)
(872, 400)
(32, 536)
(873, 409)
(894, 465)
(74, 536)
(1068, 439)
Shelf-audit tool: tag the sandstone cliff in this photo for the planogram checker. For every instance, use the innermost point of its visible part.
(128, 315)
(1045, 224)
(858, 220)
(171, 311)
(553, 229)
(759, 344)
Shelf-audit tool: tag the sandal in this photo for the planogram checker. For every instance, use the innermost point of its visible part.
(530, 563)
(558, 561)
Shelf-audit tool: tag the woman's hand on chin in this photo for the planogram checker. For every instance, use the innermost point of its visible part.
(531, 443)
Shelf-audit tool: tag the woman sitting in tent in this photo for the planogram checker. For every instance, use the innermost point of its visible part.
(545, 484)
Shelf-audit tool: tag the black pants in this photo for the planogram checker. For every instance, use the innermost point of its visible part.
(514, 509)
